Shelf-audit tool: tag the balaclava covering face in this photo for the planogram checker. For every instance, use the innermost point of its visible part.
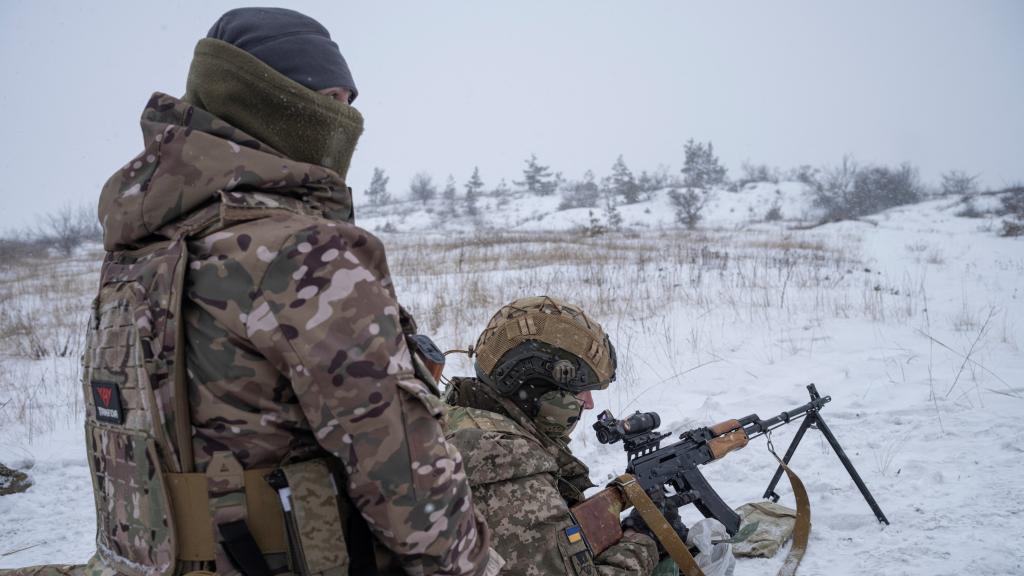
(555, 412)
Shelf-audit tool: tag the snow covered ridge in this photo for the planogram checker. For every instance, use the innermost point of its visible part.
(521, 210)
(910, 319)
(789, 204)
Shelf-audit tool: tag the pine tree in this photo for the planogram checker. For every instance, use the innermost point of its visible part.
(688, 204)
(449, 197)
(377, 193)
(622, 183)
(473, 188)
(701, 168)
(537, 179)
(611, 213)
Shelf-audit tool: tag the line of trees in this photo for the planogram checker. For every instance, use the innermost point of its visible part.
(846, 190)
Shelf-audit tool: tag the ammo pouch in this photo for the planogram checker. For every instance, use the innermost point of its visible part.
(314, 513)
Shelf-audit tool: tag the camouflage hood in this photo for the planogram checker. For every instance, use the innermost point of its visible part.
(193, 160)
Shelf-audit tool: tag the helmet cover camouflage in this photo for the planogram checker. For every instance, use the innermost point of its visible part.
(542, 338)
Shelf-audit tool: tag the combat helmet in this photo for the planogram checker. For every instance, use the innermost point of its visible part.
(544, 340)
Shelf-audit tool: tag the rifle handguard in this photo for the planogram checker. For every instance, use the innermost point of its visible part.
(726, 443)
(723, 427)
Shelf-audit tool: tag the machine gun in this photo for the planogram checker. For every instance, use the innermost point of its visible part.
(654, 467)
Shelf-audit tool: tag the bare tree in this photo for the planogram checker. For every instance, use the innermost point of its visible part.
(68, 227)
(422, 187)
(956, 182)
(751, 173)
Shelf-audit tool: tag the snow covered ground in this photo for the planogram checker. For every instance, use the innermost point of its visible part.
(911, 321)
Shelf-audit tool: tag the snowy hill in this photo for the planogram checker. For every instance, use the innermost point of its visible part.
(521, 211)
(911, 320)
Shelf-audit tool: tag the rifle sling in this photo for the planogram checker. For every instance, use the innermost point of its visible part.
(802, 528)
(656, 522)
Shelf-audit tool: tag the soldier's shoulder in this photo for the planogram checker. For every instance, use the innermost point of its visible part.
(464, 418)
(279, 226)
(494, 448)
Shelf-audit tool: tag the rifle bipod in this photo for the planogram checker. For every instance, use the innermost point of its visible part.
(814, 420)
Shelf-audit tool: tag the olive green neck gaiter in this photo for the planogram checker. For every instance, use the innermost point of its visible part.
(299, 123)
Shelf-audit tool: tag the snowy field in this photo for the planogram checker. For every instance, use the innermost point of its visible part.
(911, 321)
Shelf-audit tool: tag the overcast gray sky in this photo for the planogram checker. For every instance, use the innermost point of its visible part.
(448, 85)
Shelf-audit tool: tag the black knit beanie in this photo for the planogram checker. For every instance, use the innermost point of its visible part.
(290, 42)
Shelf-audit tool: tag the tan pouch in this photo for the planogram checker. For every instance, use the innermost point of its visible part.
(775, 525)
(314, 516)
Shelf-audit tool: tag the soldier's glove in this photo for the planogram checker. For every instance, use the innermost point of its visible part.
(636, 522)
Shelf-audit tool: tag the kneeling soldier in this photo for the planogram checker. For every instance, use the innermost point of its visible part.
(536, 362)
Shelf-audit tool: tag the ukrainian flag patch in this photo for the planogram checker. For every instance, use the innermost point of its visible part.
(574, 534)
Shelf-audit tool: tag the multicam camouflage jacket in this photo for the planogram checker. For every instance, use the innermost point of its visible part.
(523, 483)
(294, 344)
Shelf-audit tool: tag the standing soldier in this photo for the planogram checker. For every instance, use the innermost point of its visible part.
(536, 363)
(246, 332)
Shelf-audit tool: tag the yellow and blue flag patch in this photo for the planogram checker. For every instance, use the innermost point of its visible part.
(574, 534)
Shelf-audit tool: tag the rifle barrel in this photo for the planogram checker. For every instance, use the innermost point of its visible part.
(755, 427)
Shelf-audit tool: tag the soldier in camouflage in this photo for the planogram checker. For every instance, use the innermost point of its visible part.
(536, 363)
(294, 341)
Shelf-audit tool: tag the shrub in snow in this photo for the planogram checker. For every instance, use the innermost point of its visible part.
(422, 187)
(1013, 202)
(849, 191)
(1013, 206)
(611, 213)
(594, 225)
(1011, 228)
(753, 173)
(805, 174)
(649, 183)
(580, 194)
(956, 182)
(14, 250)
(688, 204)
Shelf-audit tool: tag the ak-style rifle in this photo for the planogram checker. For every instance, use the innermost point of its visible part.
(676, 466)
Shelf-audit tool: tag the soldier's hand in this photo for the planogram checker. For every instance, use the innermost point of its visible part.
(636, 523)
